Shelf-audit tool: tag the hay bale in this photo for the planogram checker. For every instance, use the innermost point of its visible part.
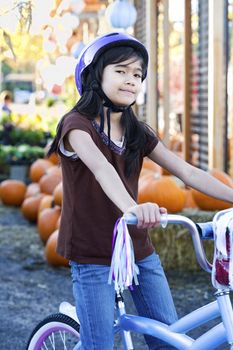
(174, 243)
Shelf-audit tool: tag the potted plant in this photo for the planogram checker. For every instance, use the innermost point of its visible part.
(17, 159)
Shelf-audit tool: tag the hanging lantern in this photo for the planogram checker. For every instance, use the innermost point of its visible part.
(56, 89)
(121, 14)
(77, 49)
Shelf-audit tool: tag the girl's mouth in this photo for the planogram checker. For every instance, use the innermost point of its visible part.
(128, 92)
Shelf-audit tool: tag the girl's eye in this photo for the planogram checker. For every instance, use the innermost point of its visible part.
(139, 76)
(120, 71)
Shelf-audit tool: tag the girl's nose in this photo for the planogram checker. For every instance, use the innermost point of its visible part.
(129, 81)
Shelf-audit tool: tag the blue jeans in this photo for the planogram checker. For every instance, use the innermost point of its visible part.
(95, 300)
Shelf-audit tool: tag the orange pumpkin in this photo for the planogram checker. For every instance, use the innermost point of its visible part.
(47, 220)
(54, 158)
(38, 169)
(58, 223)
(165, 171)
(52, 257)
(150, 165)
(30, 207)
(205, 202)
(54, 170)
(32, 190)
(144, 175)
(12, 192)
(48, 182)
(46, 202)
(189, 200)
(57, 194)
(161, 190)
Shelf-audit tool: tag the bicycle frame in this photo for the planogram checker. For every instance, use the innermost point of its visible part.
(175, 334)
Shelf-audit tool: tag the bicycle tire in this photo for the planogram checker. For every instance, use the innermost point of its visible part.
(55, 325)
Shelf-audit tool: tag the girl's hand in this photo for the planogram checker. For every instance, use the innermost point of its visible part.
(148, 214)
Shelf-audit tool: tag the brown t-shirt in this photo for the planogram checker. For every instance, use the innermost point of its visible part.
(88, 215)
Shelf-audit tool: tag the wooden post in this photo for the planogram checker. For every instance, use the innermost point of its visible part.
(230, 150)
(187, 80)
(166, 72)
(151, 43)
(216, 85)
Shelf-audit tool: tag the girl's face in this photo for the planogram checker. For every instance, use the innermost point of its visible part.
(122, 81)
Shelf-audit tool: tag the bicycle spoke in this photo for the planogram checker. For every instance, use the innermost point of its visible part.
(52, 341)
(59, 339)
(57, 332)
(45, 346)
(63, 338)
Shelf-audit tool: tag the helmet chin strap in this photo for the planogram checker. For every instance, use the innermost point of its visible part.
(111, 107)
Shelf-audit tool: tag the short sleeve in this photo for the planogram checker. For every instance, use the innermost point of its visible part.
(71, 122)
(76, 121)
(65, 152)
(151, 142)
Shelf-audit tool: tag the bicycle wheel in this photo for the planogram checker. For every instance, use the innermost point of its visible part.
(56, 332)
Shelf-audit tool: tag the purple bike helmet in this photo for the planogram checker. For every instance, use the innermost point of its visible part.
(91, 52)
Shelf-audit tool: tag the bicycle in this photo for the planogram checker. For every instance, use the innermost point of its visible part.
(61, 330)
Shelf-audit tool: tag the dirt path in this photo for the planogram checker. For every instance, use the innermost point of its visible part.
(30, 289)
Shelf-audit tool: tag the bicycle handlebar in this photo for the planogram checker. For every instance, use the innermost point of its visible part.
(193, 229)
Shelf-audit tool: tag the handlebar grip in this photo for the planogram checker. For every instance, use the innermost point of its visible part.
(205, 230)
(131, 219)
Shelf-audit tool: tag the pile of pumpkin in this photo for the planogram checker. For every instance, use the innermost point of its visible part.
(41, 200)
(158, 186)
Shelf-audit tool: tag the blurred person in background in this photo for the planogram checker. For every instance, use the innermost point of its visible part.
(5, 100)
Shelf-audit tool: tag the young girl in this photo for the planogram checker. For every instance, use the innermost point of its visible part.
(102, 145)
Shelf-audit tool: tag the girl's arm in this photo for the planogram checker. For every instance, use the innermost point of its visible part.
(190, 175)
(148, 214)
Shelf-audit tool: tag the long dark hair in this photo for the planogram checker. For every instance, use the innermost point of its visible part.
(90, 104)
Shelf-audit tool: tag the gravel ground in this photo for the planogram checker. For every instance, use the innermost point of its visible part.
(30, 289)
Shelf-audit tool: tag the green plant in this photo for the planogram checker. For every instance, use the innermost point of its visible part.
(17, 136)
(23, 154)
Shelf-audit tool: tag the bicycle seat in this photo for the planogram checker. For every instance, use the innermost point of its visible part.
(222, 271)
